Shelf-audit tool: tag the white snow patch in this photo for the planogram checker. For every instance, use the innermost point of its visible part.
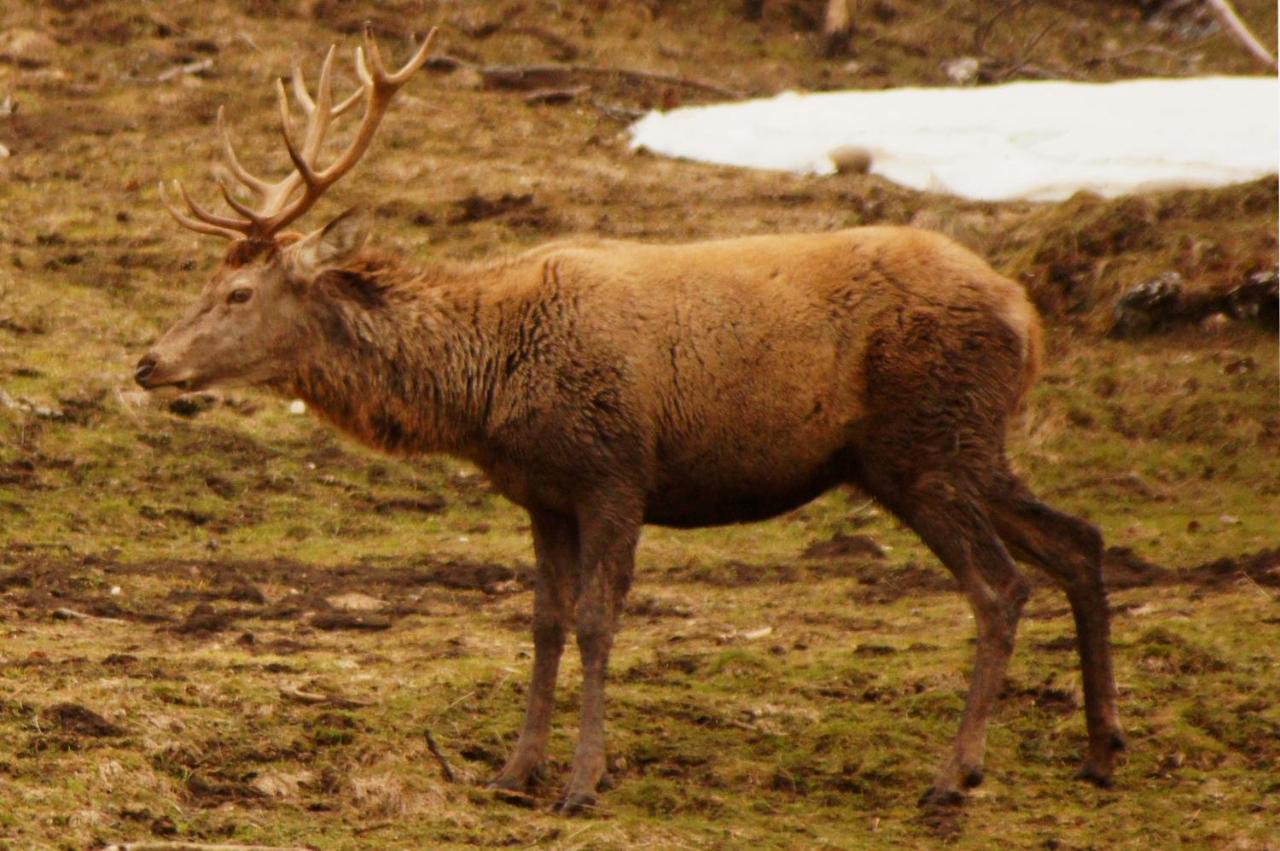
(1039, 141)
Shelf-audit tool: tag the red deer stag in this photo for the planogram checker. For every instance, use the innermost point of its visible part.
(602, 385)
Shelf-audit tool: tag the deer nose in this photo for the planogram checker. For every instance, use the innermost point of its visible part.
(143, 370)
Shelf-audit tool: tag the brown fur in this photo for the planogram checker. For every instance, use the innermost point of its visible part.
(602, 385)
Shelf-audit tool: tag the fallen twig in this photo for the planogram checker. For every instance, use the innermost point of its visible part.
(1240, 31)
(316, 699)
(196, 68)
(1253, 582)
(73, 615)
(445, 768)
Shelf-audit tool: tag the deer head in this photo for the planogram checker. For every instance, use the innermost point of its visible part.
(249, 316)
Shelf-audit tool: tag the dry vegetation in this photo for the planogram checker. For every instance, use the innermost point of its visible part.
(224, 624)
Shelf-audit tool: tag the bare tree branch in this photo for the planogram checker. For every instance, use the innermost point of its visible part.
(1237, 28)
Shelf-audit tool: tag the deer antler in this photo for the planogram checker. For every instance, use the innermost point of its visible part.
(281, 202)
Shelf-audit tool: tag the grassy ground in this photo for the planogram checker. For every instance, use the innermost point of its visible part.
(276, 618)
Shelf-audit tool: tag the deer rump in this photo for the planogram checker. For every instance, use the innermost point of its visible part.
(734, 380)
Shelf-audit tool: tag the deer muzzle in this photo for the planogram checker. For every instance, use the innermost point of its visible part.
(142, 372)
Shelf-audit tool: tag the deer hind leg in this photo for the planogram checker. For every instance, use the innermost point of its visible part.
(952, 522)
(610, 529)
(1070, 550)
(555, 544)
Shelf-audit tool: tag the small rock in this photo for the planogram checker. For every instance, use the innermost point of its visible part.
(356, 602)
(1228, 520)
(281, 784)
(1257, 298)
(1147, 306)
(850, 159)
(963, 70)
(297, 406)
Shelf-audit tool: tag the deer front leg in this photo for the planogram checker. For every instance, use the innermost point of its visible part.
(555, 545)
(609, 534)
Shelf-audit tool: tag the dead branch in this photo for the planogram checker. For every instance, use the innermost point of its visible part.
(1024, 59)
(1240, 31)
(197, 846)
(445, 768)
(550, 76)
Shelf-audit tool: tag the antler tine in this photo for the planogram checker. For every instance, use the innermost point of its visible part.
(415, 62)
(303, 169)
(362, 70)
(379, 87)
(282, 101)
(303, 97)
(319, 115)
(250, 214)
(375, 55)
(190, 223)
(281, 202)
(212, 218)
(242, 174)
(406, 71)
(300, 93)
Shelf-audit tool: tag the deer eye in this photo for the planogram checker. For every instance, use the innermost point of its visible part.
(240, 296)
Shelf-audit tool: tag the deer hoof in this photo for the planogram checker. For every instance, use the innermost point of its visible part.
(576, 803)
(510, 790)
(934, 797)
(1097, 776)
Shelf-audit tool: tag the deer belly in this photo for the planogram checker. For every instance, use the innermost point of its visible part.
(708, 494)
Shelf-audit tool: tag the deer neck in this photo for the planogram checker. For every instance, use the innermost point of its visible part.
(401, 368)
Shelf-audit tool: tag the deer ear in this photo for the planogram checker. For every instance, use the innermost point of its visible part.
(331, 245)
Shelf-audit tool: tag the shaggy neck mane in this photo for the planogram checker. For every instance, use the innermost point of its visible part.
(392, 357)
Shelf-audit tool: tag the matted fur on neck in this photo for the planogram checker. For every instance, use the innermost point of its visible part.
(392, 357)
